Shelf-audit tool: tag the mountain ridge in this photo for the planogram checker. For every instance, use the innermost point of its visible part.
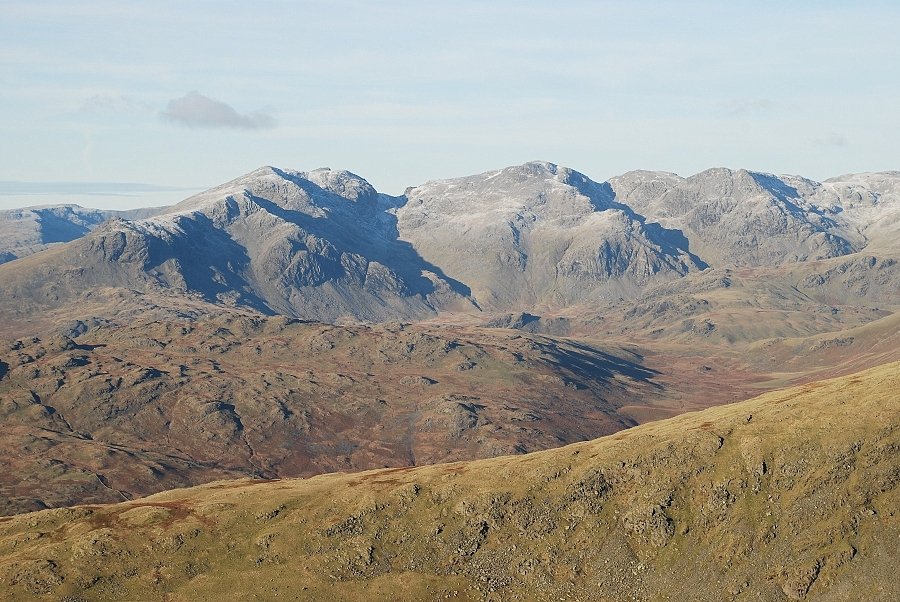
(326, 245)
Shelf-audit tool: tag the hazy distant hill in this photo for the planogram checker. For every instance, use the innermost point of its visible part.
(32, 229)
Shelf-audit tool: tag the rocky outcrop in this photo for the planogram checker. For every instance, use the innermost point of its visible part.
(535, 238)
(314, 245)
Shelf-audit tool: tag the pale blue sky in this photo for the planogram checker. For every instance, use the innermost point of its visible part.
(190, 94)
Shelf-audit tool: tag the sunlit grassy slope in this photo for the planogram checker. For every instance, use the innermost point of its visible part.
(790, 495)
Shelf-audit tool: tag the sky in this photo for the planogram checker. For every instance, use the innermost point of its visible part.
(123, 104)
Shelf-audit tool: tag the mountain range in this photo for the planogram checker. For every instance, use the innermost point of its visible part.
(325, 245)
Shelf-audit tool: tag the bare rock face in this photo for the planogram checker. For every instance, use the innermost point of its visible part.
(539, 235)
(325, 245)
(737, 218)
(318, 244)
(870, 204)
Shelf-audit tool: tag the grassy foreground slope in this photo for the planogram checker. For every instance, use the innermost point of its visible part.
(790, 495)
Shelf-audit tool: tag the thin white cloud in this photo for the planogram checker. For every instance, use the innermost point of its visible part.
(46, 10)
(111, 103)
(832, 139)
(13, 188)
(744, 106)
(195, 110)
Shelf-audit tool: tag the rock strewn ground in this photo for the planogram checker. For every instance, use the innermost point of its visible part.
(790, 496)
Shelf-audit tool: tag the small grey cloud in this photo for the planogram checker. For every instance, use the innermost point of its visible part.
(832, 139)
(198, 111)
(744, 106)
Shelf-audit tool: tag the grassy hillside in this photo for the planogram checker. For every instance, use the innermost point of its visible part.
(790, 495)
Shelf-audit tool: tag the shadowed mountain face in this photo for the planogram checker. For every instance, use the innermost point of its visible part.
(326, 245)
(789, 496)
(322, 245)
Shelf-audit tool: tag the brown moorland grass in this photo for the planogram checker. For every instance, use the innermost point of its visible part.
(791, 495)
